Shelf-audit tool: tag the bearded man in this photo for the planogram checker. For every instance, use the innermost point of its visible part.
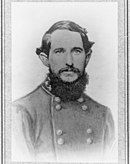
(58, 122)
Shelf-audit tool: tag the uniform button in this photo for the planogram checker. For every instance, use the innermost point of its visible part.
(89, 131)
(47, 83)
(80, 99)
(59, 132)
(84, 107)
(60, 141)
(57, 99)
(58, 107)
(89, 141)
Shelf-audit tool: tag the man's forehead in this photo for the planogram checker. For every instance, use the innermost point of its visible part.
(61, 38)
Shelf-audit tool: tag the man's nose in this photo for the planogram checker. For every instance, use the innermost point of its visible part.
(69, 59)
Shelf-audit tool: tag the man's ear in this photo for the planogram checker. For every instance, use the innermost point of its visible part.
(44, 59)
(88, 56)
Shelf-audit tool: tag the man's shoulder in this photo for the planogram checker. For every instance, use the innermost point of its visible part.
(94, 102)
(95, 106)
(36, 95)
(33, 103)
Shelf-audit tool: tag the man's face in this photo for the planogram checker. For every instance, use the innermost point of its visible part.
(67, 55)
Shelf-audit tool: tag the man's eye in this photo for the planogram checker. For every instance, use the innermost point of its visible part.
(77, 52)
(59, 51)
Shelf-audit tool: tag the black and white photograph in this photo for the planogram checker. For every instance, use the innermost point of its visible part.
(65, 82)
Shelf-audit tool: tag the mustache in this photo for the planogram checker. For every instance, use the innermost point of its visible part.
(73, 69)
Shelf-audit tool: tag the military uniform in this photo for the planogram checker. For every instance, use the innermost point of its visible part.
(52, 130)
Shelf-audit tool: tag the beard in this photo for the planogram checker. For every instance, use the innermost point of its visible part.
(68, 91)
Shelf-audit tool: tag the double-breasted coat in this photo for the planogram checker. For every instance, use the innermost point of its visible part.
(48, 130)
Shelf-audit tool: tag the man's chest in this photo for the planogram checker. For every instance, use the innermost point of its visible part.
(71, 127)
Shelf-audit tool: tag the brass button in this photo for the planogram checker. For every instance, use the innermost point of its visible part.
(59, 132)
(89, 141)
(80, 99)
(89, 131)
(84, 107)
(58, 107)
(60, 141)
(57, 99)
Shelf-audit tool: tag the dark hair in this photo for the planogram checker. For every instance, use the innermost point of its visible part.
(68, 25)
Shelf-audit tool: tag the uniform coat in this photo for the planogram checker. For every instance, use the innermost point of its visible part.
(48, 130)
